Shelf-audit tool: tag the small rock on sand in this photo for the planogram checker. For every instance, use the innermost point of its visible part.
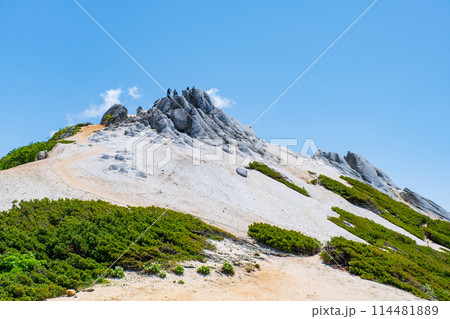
(70, 292)
(241, 171)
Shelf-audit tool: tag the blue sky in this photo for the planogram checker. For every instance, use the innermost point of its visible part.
(382, 91)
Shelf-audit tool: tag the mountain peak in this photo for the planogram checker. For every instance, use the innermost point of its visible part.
(183, 117)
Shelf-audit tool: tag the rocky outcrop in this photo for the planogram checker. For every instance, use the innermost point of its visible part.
(335, 160)
(187, 116)
(424, 204)
(369, 173)
(241, 171)
(42, 155)
(356, 166)
(115, 115)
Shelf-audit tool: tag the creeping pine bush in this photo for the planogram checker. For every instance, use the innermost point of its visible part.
(285, 240)
(67, 131)
(28, 153)
(404, 216)
(228, 269)
(204, 270)
(365, 196)
(438, 231)
(391, 258)
(353, 196)
(48, 246)
(266, 170)
(17, 262)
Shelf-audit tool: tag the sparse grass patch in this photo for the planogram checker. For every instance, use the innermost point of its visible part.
(179, 270)
(228, 269)
(266, 170)
(285, 240)
(153, 268)
(204, 270)
(118, 272)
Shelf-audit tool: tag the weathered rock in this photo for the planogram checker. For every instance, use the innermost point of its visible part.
(335, 160)
(113, 167)
(139, 110)
(141, 174)
(191, 115)
(424, 204)
(241, 171)
(105, 156)
(115, 115)
(42, 155)
(89, 290)
(119, 157)
(179, 118)
(368, 172)
(70, 292)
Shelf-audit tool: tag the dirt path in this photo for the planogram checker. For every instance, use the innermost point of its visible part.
(280, 279)
(66, 167)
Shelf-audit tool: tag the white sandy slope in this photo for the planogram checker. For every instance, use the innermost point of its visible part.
(214, 192)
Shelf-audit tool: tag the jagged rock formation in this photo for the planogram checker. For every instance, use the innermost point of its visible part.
(192, 117)
(356, 166)
(335, 160)
(115, 115)
(424, 204)
(187, 116)
(369, 173)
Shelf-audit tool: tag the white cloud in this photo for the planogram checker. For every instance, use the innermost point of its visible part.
(218, 100)
(133, 92)
(110, 97)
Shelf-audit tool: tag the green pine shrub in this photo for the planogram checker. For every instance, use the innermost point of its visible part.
(391, 258)
(48, 246)
(365, 196)
(266, 170)
(438, 231)
(285, 240)
(28, 153)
